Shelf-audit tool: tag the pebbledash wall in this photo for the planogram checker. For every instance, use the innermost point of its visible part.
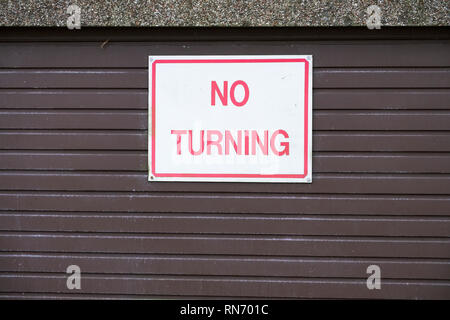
(73, 156)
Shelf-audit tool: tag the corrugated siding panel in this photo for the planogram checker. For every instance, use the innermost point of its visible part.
(74, 190)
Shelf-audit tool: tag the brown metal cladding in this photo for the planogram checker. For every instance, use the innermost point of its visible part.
(74, 189)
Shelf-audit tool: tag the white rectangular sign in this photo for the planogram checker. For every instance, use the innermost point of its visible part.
(230, 118)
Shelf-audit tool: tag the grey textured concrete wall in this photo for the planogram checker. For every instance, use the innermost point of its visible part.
(224, 12)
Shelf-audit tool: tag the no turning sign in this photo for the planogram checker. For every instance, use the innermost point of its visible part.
(230, 118)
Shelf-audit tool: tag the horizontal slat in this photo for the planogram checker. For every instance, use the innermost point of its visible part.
(379, 141)
(135, 54)
(380, 162)
(227, 203)
(138, 78)
(226, 266)
(76, 99)
(323, 162)
(77, 296)
(137, 140)
(75, 78)
(234, 287)
(73, 120)
(322, 120)
(88, 140)
(372, 99)
(236, 245)
(138, 98)
(386, 120)
(382, 78)
(106, 160)
(322, 183)
(225, 224)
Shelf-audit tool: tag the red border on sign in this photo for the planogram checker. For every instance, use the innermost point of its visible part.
(231, 175)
